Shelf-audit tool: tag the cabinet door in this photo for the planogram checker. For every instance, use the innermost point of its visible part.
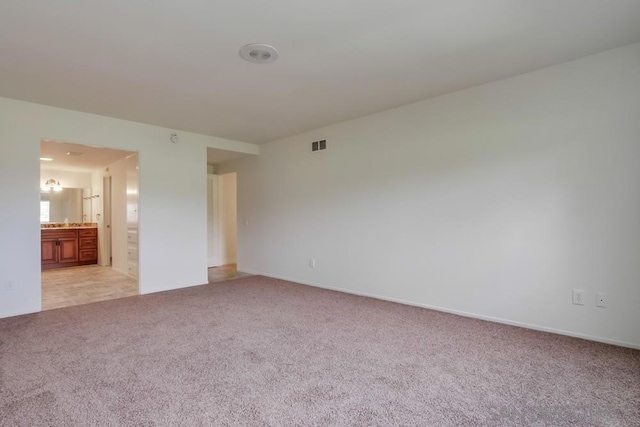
(68, 250)
(48, 252)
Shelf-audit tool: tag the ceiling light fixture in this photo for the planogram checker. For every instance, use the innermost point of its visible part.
(51, 185)
(259, 53)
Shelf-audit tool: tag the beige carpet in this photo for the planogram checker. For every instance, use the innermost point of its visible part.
(262, 352)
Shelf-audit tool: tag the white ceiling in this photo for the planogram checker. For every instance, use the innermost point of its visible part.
(176, 63)
(90, 159)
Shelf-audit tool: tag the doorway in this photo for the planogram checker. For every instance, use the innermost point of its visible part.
(222, 227)
(222, 223)
(88, 211)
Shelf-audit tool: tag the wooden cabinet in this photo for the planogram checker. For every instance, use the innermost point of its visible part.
(59, 248)
(88, 245)
(68, 247)
(67, 250)
(48, 251)
(132, 252)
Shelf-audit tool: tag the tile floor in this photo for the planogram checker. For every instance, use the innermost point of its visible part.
(225, 272)
(64, 287)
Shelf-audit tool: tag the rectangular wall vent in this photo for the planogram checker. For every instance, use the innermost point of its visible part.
(319, 145)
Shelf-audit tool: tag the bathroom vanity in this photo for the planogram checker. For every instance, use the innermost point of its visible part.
(69, 246)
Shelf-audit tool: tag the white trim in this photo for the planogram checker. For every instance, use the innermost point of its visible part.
(456, 312)
(173, 288)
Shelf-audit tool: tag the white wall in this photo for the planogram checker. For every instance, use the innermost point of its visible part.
(227, 196)
(173, 209)
(493, 202)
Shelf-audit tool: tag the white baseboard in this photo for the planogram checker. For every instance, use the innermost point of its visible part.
(456, 312)
(20, 312)
(170, 288)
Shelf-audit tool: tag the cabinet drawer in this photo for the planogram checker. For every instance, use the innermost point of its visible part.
(54, 234)
(132, 236)
(88, 254)
(132, 251)
(88, 243)
(88, 232)
(132, 269)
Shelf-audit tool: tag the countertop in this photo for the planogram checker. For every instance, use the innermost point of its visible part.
(71, 226)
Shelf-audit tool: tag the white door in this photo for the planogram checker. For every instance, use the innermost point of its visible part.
(213, 222)
(227, 208)
(105, 257)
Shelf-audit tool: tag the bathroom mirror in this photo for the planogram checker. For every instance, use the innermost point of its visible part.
(70, 204)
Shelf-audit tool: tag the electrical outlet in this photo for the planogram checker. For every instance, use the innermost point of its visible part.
(601, 300)
(312, 262)
(8, 285)
(579, 296)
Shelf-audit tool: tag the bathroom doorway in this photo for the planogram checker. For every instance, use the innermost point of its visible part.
(89, 204)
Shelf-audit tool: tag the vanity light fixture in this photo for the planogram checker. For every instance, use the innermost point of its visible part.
(51, 185)
(46, 159)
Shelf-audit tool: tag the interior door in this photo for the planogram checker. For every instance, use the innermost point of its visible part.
(105, 256)
(213, 222)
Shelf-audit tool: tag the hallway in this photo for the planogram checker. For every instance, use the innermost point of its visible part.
(225, 272)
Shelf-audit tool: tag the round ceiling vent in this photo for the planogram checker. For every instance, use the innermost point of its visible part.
(259, 53)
